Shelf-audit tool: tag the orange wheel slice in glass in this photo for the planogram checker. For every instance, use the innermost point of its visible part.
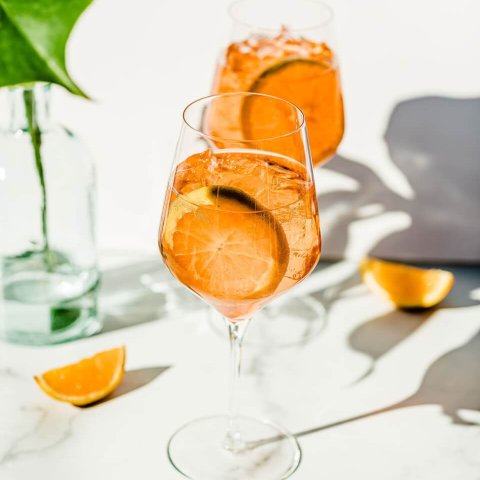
(311, 85)
(221, 243)
(406, 286)
(86, 381)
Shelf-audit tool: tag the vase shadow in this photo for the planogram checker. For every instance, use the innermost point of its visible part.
(125, 301)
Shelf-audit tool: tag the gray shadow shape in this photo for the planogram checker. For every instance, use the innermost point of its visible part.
(378, 336)
(467, 279)
(125, 301)
(328, 296)
(451, 382)
(133, 380)
(435, 142)
(345, 204)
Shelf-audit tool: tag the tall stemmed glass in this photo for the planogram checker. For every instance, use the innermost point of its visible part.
(239, 226)
(286, 48)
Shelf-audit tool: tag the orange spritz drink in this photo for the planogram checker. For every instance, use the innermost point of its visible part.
(239, 227)
(299, 66)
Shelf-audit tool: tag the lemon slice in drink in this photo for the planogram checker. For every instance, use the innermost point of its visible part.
(406, 286)
(221, 243)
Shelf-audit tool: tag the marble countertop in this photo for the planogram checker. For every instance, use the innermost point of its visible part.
(376, 394)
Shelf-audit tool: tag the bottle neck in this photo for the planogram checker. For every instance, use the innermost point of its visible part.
(40, 104)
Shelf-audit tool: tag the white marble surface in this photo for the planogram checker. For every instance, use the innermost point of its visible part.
(423, 369)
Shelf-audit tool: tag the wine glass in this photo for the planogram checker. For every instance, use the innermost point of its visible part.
(239, 227)
(286, 48)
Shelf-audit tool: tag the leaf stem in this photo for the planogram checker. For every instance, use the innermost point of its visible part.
(36, 139)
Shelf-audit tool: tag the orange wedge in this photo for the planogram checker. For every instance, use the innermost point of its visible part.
(406, 286)
(86, 381)
(221, 243)
(311, 85)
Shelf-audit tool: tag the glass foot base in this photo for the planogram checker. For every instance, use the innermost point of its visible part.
(197, 451)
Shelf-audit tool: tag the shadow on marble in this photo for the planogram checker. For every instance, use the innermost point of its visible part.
(434, 143)
(378, 336)
(330, 295)
(273, 327)
(133, 380)
(467, 279)
(441, 166)
(450, 382)
(139, 293)
(125, 301)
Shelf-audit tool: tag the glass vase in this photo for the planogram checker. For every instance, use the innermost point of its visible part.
(48, 267)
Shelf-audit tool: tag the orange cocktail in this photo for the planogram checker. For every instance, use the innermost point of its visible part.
(219, 205)
(297, 69)
(239, 227)
(293, 66)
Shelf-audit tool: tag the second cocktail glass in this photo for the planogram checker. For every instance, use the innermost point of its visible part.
(285, 48)
(239, 227)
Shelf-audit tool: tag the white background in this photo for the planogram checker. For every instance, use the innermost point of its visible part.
(143, 61)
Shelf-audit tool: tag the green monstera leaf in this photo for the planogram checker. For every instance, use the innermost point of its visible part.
(33, 37)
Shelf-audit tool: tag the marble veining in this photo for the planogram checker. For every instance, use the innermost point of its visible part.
(29, 428)
(396, 394)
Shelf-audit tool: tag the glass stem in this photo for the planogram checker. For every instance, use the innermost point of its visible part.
(36, 139)
(236, 333)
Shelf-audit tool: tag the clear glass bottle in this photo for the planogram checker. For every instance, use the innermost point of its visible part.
(48, 266)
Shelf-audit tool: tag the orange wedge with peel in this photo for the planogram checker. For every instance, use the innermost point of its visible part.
(404, 285)
(86, 381)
